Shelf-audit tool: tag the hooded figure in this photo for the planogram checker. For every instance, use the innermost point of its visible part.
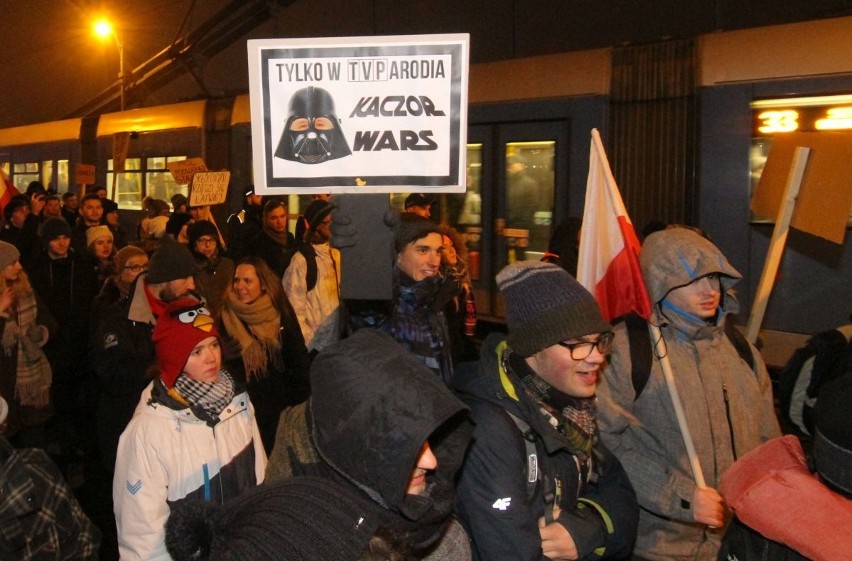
(727, 403)
(312, 133)
(372, 408)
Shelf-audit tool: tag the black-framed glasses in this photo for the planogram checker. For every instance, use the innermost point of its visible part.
(582, 350)
(137, 268)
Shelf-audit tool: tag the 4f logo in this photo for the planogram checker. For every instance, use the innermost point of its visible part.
(502, 504)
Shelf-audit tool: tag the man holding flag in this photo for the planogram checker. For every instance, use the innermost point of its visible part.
(679, 416)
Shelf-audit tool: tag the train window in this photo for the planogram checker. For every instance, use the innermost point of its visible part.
(62, 177)
(138, 181)
(463, 211)
(159, 181)
(530, 181)
(23, 174)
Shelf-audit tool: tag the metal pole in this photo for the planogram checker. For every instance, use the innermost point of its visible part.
(120, 69)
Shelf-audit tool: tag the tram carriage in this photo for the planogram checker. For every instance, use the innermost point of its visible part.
(686, 155)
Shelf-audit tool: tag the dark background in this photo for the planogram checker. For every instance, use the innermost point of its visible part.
(52, 64)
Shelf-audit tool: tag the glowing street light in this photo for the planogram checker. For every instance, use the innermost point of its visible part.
(104, 29)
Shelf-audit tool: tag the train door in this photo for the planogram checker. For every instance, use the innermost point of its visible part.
(517, 177)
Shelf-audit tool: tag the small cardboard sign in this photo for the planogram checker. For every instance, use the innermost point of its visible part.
(183, 170)
(209, 188)
(84, 174)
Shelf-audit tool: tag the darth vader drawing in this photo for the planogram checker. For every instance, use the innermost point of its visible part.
(312, 134)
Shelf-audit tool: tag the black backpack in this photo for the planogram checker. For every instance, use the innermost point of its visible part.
(825, 357)
(309, 253)
(642, 352)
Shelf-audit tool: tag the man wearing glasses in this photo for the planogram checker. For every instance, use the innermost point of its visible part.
(537, 483)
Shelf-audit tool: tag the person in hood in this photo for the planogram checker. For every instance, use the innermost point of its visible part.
(538, 484)
(380, 424)
(312, 133)
(193, 437)
(728, 404)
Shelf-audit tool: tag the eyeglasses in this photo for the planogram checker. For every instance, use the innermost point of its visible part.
(205, 241)
(582, 350)
(137, 268)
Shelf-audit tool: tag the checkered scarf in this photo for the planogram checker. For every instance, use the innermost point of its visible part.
(208, 400)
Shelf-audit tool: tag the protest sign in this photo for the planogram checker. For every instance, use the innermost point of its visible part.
(359, 114)
(209, 188)
(183, 170)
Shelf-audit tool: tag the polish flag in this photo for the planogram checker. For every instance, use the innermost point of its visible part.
(608, 264)
(7, 190)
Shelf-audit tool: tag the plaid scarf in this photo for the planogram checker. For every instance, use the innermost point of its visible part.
(33, 375)
(573, 417)
(207, 400)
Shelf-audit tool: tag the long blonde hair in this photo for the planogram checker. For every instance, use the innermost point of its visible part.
(21, 286)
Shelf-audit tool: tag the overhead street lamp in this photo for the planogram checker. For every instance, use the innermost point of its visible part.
(104, 29)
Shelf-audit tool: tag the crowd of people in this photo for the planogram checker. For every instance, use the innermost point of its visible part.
(243, 411)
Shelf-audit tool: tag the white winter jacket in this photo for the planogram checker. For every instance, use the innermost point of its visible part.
(167, 455)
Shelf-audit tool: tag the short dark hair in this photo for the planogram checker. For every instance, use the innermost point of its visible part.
(68, 194)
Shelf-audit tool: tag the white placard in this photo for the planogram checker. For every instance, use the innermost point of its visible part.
(359, 114)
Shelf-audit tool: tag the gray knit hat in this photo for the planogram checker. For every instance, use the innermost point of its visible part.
(545, 305)
(8, 254)
(170, 262)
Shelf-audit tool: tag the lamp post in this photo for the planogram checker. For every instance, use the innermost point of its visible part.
(104, 29)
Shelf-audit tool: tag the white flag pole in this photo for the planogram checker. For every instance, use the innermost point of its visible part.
(662, 354)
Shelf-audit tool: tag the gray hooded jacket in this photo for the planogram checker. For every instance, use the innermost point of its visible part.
(728, 405)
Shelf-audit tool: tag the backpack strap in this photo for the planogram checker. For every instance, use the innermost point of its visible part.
(533, 472)
(311, 273)
(641, 352)
(740, 343)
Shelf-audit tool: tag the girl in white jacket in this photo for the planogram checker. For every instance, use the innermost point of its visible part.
(193, 435)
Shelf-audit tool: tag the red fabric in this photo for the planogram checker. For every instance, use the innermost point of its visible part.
(608, 264)
(771, 490)
(7, 190)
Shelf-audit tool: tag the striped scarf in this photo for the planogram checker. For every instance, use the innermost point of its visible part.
(33, 375)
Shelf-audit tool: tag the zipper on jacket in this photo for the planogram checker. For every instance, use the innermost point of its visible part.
(730, 423)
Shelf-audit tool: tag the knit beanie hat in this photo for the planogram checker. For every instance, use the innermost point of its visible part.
(298, 518)
(123, 255)
(316, 213)
(96, 233)
(184, 324)
(412, 227)
(201, 228)
(52, 228)
(8, 254)
(14, 204)
(170, 262)
(833, 435)
(545, 305)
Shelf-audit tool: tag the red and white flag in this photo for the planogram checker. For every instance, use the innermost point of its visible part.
(608, 264)
(7, 190)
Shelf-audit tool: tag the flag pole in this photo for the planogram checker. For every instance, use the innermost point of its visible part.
(663, 357)
(657, 339)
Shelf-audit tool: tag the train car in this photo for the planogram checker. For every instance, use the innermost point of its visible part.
(676, 117)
